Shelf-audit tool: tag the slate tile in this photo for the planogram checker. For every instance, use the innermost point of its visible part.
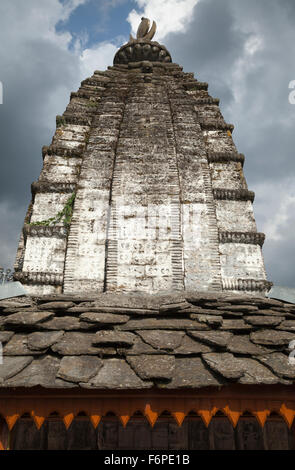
(28, 318)
(168, 340)
(103, 318)
(279, 364)
(40, 372)
(191, 372)
(163, 324)
(79, 369)
(263, 320)
(38, 341)
(241, 344)
(77, 344)
(225, 364)
(152, 367)
(191, 346)
(12, 366)
(114, 338)
(212, 338)
(18, 346)
(116, 374)
(272, 337)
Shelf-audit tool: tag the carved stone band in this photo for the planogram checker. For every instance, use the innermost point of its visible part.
(39, 278)
(226, 157)
(195, 85)
(212, 125)
(49, 187)
(253, 238)
(63, 152)
(234, 194)
(45, 231)
(246, 284)
(139, 51)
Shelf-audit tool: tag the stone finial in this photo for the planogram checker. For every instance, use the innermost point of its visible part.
(144, 32)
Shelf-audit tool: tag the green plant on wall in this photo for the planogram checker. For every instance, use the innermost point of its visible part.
(65, 215)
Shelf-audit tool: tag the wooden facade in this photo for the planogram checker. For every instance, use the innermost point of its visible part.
(234, 418)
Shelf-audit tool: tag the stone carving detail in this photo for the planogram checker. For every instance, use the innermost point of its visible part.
(216, 124)
(226, 157)
(234, 194)
(45, 231)
(50, 187)
(138, 51)
(39, 278)
(246, 284)
(242, 237)
(141, 48)
(144, 32)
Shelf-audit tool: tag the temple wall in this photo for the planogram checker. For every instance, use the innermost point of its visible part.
(87, 241)
(161, 201)
(145, 209)
(235, 216)
(199, 227)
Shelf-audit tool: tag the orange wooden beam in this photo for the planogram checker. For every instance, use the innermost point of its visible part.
(232, 401)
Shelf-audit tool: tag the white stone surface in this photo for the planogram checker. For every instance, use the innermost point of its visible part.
(241, 261)
(45, 255)
(235, 216)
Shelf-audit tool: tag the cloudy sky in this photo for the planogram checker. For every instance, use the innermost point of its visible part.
(244, 49)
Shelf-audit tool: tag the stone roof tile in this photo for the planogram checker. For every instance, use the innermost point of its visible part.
(116, 374)
(153, 367)
(191, 373)
(55, 348)
(168, 340)
(79, 369)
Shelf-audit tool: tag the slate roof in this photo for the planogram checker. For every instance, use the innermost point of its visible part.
(140, 341)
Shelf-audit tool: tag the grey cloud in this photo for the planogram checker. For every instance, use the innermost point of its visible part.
(264, 120)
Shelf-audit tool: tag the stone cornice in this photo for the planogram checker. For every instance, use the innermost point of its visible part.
(50, 187)
(254, 238)
(233, 194)
(195, 85)
(246, 284)
(63, 152)
(216, 124)
(207, 100)
(79, 120)
(44, 231)
(139, 50)
(226, 157)
(39, 278)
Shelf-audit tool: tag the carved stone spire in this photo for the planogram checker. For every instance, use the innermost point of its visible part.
(142, 189)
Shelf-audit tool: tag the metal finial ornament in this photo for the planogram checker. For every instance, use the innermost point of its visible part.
(144, 32)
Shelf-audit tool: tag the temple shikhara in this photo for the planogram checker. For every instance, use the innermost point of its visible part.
(146, 323)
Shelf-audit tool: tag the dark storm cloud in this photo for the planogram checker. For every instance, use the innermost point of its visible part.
(245, 51)
(37, 73)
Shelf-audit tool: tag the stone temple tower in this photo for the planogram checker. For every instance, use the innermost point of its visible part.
(138, 255)
(142, 188)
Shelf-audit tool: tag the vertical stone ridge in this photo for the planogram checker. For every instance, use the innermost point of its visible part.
(176, 216)
(213, 236)
(87, 244)
(199, 225)
(145, 209)
(234, 213)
